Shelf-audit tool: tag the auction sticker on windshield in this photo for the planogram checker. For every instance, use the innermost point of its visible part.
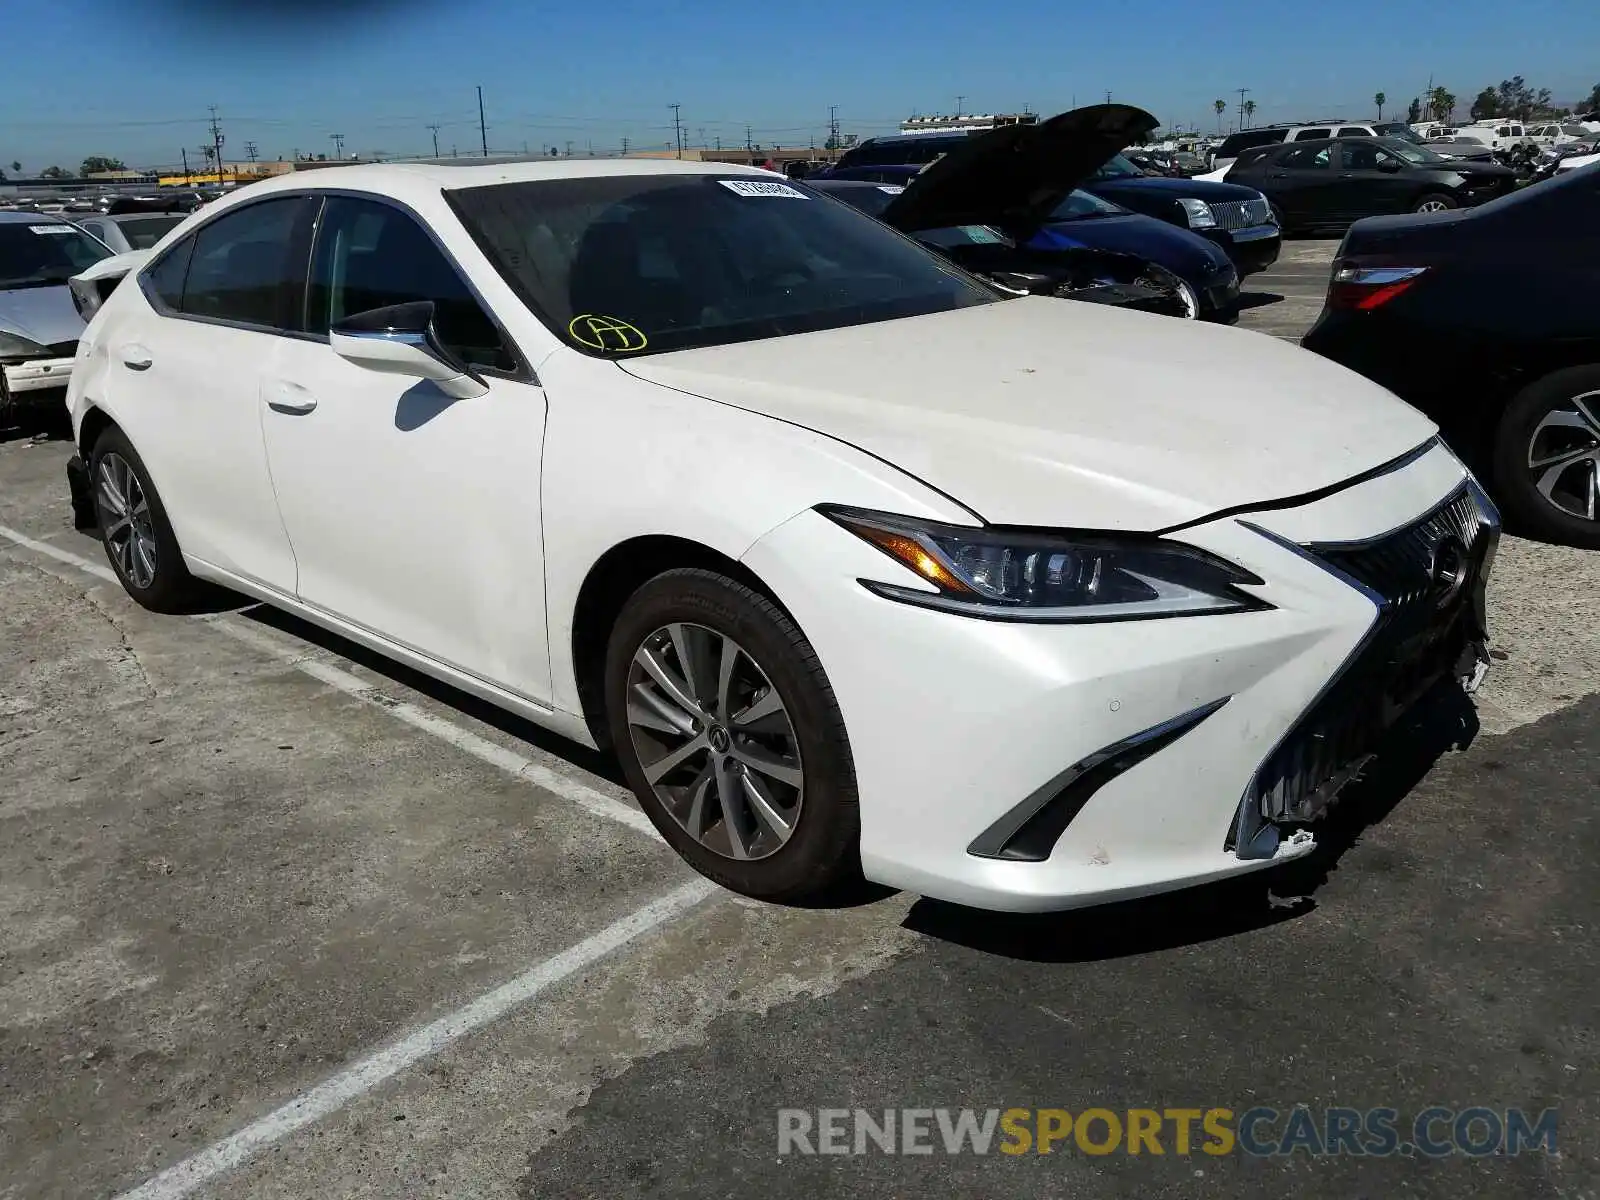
(50, 228)
(760, 187)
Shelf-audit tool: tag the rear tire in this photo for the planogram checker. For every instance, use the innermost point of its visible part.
(771, 798)
(1546, 458)
(1434, 202)
(134, 529)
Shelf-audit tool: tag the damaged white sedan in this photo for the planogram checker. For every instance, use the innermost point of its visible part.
(858, 563)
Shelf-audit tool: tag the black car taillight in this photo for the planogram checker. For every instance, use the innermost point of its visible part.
(1366, 288)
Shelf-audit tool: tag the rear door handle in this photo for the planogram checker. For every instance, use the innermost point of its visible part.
(289, 398)
(135, 357)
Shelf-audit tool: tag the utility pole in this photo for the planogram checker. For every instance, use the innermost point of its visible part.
(434, 129)
(959, 99)
(338, 144)
(1108, 95)
(624, 147)
(216, 142)
(833, 126)
(748, 145)
(719, 143)
(569, 147)
(250, 151)
(677, 127)
(483, 129)
(1243, 92)
(185, 152)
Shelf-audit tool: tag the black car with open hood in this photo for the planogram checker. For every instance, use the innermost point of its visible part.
(983, 203)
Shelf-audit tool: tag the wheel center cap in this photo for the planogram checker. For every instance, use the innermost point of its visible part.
(719, 739)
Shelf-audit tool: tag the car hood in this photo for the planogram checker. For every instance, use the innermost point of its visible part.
(1014, 177)
(1188, 254)
(1166, 188)
(1039, 411)
(43, 314)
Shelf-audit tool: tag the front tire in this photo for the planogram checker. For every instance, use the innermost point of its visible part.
(134, 529)
(1547, 457)
(730, 736)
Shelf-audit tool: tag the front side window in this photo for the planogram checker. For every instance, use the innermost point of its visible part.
(646, 263)
(45, 253)
(240, 268)
(372, 255)
(1081, 205)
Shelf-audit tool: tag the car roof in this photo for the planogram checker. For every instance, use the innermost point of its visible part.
(31, 218)
(401, 179)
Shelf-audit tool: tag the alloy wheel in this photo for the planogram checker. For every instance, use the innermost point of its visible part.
(125, 517)
(1564, 456)
(1433, 206)
(714, 741)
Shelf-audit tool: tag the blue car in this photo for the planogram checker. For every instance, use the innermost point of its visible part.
(1078, 227)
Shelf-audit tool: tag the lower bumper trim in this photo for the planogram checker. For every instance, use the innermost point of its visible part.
(1030, 831)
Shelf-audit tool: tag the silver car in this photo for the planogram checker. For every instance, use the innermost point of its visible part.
(39, 323)
(131, 231)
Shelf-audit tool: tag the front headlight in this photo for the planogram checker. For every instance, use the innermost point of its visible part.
(14, 345)
(1009, 575)
(1198, 213)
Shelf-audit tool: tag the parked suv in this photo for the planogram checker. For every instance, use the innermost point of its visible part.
(1273, 135)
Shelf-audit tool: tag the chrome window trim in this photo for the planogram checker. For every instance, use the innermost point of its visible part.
(522, 373)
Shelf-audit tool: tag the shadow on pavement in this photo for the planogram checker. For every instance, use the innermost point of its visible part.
(1443, 720)
(1258, 299)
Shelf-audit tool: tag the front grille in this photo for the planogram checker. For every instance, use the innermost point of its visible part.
(1241, 214)
(1425, 623)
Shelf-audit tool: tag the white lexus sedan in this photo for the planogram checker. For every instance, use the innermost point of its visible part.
(861, 565)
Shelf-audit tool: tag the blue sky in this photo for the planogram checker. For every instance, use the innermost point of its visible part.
(134, 79)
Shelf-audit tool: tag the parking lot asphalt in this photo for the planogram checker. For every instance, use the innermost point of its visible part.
(278, 920)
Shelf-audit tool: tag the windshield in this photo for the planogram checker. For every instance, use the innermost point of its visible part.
(1411, 153)
(1084, 205)
(648, 263)
(144, 232)
(871, 199)
(1118, 167)
(1397, 130)
(37, 254)
(953, 237)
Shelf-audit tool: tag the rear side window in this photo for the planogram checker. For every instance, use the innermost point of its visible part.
(240, 267)
(1306, 157)
(1354, 131)
(165, 280)
(1306, 135)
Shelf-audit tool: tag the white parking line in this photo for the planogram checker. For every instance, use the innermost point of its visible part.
(592, 800)
(375, 1069)
(355, 1081)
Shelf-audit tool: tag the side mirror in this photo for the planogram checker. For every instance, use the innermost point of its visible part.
(401, 340)
(1388, 165)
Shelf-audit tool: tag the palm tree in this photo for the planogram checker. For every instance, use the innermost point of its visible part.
(1249, 110)
(1379, 100)
(1221, 106)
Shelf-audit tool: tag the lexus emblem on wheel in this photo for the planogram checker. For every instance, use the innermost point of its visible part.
(1448, 570)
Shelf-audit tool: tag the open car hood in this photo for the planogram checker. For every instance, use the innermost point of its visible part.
(1014, 177)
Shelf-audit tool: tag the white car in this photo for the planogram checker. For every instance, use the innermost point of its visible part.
(856, 563)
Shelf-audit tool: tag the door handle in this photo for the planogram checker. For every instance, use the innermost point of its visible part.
(135, 357)
(289, 398)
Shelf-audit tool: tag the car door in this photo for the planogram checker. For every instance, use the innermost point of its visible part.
(1300, 182)
(412, 515)
(184, 379)
(1370, 181)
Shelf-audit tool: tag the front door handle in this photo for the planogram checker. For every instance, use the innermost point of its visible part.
(135, 357)
(289, 398)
